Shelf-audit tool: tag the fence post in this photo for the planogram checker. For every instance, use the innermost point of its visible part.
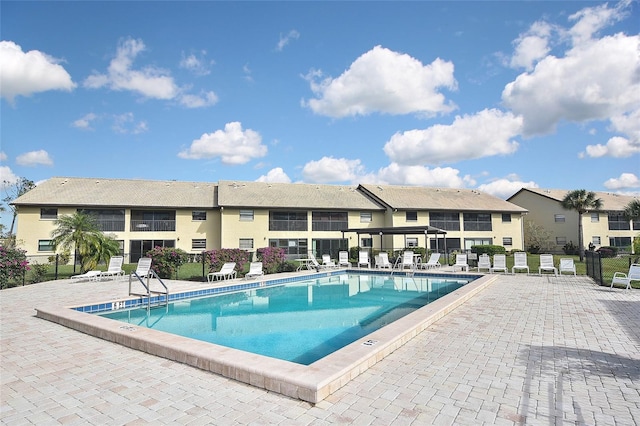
(57, 258)
(203, 265)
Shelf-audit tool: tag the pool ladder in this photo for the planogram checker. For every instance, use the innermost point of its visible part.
(147, 287)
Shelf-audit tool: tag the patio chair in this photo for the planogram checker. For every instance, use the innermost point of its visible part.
(625, 279)
(363, 259)
(484, 262)
(519, 262)
(433, 262)
(143, 269)
(406, 260)
(546, 264)
(227, 271)
(115, 268)
(255, 270)
(382, 261)
(461, 262)
(499, 263)
(327, 262)
(88, 276)
(343, 259)
(567, 265)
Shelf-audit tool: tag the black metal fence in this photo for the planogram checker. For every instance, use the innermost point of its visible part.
(602, 269)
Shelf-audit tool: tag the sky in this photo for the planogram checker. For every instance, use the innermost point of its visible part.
(494, 96)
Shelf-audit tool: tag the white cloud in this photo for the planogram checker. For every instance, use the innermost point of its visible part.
(7, 177)
(197, 65)
(127, 124)
(276, 175)
(3, 156)
(531, 46)
(85, 122)
(198, 101)
(595, 80)
(233, 145)
(624, 181)
(505, 187)
(23, 74)
(34, 158)
(286, 39)
(483, 134)
(329, 169)
(383, 81)
(445, 177)
(590, 20)
(617, 147)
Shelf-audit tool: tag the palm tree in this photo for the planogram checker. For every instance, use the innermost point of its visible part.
(80, 232)
(632, 210)
(581, 201)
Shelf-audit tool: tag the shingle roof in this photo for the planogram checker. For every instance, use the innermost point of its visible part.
(292, 195)
(610, 201)
(61, 191)
(427, 198)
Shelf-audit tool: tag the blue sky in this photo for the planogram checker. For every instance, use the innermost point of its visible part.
(489, 95)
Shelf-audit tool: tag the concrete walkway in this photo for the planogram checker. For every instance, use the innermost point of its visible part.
(527, 350)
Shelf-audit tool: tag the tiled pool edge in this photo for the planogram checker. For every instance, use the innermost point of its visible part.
(311, 383)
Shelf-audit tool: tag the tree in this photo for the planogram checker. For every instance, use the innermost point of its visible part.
(79, 232)
(632, 212)
(105, 247)
(581, 201)
(14, 190)
(536, 238)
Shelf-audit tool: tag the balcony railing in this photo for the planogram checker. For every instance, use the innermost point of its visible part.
(153, 225)
(288, 225)
(110, 225)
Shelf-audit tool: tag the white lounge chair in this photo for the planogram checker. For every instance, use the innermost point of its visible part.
(88, 276)
(228, 271)
(407, 260)
(343, 259)
(255, 270)
(461, 262)
(313, 262)
(484, 262)
(625, 279)
(327, 262)
(499, 263)
(433, 262)
(143, 269)
(519, 262)
(363, 259)
(546, 264)
(383, 261)
(567, 265)
(115, 268)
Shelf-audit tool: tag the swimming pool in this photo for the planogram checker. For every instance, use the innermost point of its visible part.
(312, 383)
(300, 321)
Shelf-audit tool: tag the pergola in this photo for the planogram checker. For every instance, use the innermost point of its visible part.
(401, 230)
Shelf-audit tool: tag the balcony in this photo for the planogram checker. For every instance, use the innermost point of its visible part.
(106, 225)
(153, 225)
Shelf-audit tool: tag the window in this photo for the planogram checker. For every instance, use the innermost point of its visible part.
(595, 217)
(477, 221)
(558, 218)
(199, 244)
(139, 248)
(246, 215)
(561, 241)
(411, 216)
(445, 220)
(507, 241)
(617, 222)
(48, 213)
(623, 243)
(366, 217)
(329, 221)
(636, 224)
(153, 220)
(595, 240)
(366, 242)
(108, 220)
(288, 221)
(45, 245)
(411, 242)
(293, 248)
(470, 242)
(506, 217)
(198, 215)
(245, 243)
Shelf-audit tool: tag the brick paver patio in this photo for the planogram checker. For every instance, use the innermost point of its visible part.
(527, 350)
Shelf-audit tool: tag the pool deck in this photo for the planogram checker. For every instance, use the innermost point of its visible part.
(525, 350)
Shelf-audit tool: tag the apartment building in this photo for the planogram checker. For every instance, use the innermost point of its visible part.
(604, 227)
(197, 216)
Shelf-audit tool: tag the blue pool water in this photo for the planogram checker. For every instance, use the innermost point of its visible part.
(300, 321)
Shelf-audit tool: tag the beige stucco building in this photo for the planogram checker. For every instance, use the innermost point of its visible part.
(604, 227)
(197, 216)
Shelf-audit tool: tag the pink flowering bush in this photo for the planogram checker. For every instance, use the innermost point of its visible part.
(272, 259)
(216, 258)
(13, 265)
(167, 260)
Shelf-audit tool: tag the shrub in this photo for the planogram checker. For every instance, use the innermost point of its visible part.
(39, 272)
(13, 265)
(272, 258)
(570, 248)
(217, 258)
(607, 251)
(167, 260)
(489, 249)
